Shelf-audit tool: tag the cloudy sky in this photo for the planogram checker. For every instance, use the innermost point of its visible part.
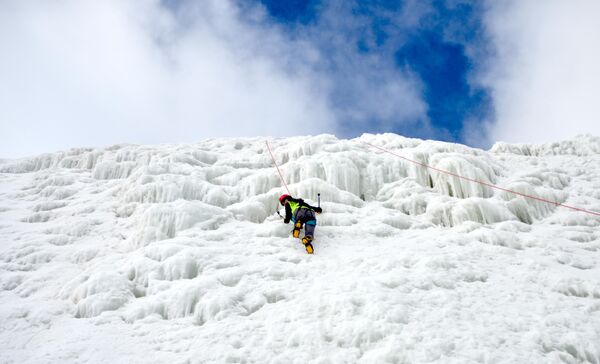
(94, 73)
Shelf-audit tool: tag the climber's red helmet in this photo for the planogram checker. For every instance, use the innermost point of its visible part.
(282, 198)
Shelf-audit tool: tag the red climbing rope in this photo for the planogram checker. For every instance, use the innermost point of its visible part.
(276, 166)
(484, 183)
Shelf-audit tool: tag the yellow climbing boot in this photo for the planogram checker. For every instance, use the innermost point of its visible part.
(296, 231)
(309, 248)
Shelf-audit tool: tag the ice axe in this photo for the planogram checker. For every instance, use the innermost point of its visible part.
(318, 200)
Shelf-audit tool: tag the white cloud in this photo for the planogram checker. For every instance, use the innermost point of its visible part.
(92, 73)
(545, 77)
(87, 73)
(370, 91)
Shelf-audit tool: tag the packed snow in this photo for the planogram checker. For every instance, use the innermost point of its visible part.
(175, 253)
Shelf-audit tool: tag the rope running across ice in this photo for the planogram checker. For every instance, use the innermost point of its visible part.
(484, 183)
(276, 166)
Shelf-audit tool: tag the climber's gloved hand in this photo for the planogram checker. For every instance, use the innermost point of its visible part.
(318, 210)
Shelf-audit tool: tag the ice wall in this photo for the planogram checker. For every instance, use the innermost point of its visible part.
(187, 235)
(237, 177)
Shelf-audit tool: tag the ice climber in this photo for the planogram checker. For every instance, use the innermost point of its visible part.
(300, 213)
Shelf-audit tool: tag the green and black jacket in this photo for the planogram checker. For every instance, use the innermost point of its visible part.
(292, 207)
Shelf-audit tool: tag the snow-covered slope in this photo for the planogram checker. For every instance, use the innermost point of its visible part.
(174, 253)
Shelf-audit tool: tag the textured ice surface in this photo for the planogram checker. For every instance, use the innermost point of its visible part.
(174, 253)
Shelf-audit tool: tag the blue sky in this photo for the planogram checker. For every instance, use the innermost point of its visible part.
(90, 74)
(433, 48)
